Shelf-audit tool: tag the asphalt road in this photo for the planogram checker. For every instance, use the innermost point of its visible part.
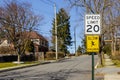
(78, 68)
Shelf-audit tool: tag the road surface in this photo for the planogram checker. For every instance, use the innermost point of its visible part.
(78, 68)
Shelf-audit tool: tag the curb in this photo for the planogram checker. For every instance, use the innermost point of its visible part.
(29, 65)
(22, 66)
(96, 65)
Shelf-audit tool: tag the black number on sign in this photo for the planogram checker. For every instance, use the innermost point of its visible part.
(89, 28)
(96, 28)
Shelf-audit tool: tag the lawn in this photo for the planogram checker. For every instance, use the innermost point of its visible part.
(11, 64)
(117, 62)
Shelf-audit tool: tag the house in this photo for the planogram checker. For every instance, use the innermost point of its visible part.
(4, 43)
(40, 43)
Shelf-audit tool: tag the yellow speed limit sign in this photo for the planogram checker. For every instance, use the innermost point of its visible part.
(92, 44)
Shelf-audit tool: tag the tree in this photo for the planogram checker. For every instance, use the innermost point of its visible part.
(2, 34)
(79, 50)
(17, 19)
(30, 46)
(109, 9)
(63, 30)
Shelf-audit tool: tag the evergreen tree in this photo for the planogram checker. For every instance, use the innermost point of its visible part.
(30, 46)
(84, 46)
(63, 31)
(79, 50)
(2, 33)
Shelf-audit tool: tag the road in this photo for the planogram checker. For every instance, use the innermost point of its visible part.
(78, 68)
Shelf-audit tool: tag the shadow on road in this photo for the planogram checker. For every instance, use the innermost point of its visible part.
(59, 75)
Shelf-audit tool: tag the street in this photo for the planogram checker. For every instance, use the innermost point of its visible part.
(77, 68)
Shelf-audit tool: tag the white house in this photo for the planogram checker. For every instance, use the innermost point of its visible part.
(4, 43)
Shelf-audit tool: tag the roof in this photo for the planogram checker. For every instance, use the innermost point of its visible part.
(4, 43)
(35, 35)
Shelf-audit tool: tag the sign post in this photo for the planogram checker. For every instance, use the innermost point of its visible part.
(92, 32)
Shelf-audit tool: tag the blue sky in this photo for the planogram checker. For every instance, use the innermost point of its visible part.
(45, 8)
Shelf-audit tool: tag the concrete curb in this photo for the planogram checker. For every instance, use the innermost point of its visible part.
(22, 66)
(96, 65)
(30, 65)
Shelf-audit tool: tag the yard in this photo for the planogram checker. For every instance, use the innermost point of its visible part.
(11, 64)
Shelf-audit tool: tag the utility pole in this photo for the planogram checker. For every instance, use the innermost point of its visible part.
(56, 49)
(75, 40)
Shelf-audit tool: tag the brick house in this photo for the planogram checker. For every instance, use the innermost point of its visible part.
(40, 43)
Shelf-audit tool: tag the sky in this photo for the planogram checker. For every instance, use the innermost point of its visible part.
(45, 8)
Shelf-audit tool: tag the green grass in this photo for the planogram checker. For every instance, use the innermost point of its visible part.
(100, 66)
(116, 62)
(7, 64)
(11, 64)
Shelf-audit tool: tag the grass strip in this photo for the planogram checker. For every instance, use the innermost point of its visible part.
(11, 64)
(116, 62)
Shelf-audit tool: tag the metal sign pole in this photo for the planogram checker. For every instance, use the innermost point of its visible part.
(93, 66)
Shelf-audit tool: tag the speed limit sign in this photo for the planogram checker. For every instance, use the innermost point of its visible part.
(92, 24)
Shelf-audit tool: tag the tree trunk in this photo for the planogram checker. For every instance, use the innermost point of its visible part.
(101, 56)
(18, 59)
(19, 54)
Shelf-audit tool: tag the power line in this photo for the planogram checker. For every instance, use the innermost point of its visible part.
(51, 1)
(46, 2)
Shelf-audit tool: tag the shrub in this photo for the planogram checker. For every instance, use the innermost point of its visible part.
(116, 57)
(71, 54)
(61, 55)
(30, 46)
(116, 62)
(52, 55)
(107, 49)
(78, 53)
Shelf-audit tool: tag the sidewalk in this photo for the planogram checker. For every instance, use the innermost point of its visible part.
(110, 71)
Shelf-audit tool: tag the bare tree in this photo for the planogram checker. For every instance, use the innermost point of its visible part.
(112, 20)
(107, 8)
(17, 19)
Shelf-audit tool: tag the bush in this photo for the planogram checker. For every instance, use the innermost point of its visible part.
(30, 46)
(61, 55)
(116, 62)
(78, 53)
(52, 55)
(71, 54)
(116, 57)
(107, 49)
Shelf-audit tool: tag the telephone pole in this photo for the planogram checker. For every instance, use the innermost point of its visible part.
(75, 40)
(56, 47)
